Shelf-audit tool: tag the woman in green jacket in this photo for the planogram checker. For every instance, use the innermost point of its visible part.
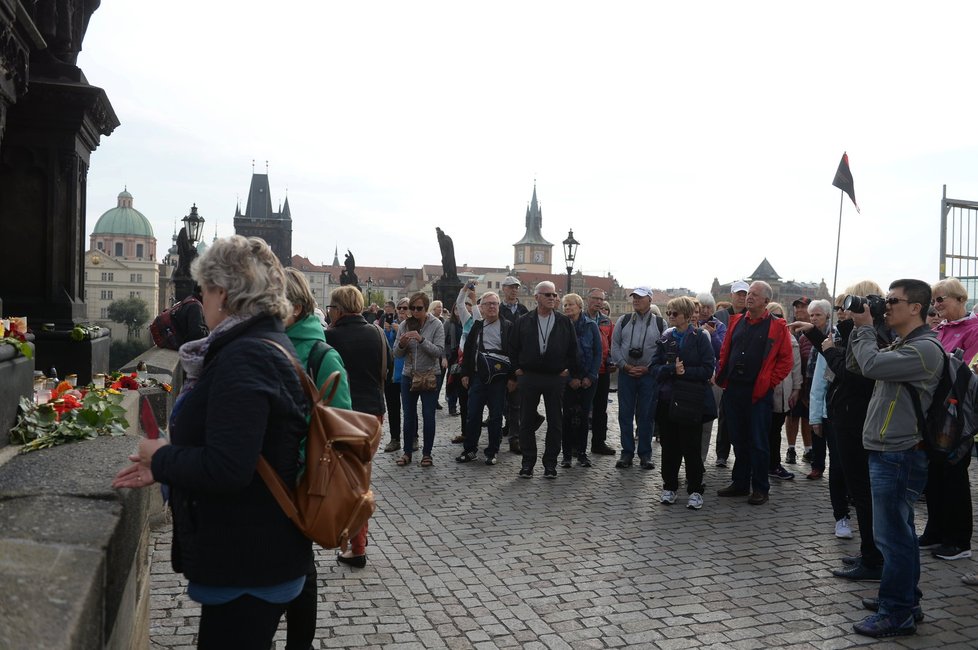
(305, 330)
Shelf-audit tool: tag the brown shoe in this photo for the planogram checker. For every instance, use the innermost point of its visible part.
(732, 491)
(815, 474)
(757, 498)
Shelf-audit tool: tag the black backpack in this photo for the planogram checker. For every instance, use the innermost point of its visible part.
(950, 424)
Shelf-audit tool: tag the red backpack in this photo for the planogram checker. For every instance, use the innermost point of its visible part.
(164, 331)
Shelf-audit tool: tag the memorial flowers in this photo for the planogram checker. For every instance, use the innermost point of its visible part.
(72, 414)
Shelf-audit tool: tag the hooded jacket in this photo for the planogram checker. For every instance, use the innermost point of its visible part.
(304, 334)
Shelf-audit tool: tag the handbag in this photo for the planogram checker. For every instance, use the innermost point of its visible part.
(686, 404)
(423, 380)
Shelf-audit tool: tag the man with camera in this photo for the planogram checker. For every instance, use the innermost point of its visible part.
(632, 347)
(755, 357)
(543, 351)
(897, 460)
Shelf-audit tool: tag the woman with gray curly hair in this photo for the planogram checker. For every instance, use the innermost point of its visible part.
(243, 558)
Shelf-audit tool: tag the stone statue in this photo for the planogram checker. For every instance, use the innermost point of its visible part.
(349, 276)
(186, 254)
(450, 270)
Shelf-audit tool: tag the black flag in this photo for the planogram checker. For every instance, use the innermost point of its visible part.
(843, 180)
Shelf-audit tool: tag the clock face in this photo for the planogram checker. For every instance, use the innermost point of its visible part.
(538, 257)
(519, 256)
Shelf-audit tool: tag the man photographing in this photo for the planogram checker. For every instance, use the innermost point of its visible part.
(897, 461)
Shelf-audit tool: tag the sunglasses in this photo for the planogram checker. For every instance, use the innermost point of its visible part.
(939, 300)
(673, 313)
(837, 308)
(402, 308)
(547, 295)
(417, 307)
(896, 301)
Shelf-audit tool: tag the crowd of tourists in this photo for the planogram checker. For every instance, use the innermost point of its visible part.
(850, 377)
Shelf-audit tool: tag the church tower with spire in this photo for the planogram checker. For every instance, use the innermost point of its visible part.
(259, 219)
(533, 253)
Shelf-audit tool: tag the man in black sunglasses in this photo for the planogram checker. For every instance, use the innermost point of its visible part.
(897, 461)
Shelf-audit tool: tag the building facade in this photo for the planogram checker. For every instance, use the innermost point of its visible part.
(533, 253)
(260, 220)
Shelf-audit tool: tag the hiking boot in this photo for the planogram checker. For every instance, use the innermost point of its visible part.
(873, 605)
(879, 626)
(393, 445)
(791, 457)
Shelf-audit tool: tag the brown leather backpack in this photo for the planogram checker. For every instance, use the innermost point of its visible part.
(333, 500)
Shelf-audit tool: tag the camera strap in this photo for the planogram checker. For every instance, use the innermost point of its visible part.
(631, 337)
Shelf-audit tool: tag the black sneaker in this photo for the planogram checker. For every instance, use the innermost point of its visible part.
(873, 605)
(925, 542)
(466, 457)
(859, 573)
(624, 461)
(526, 472)
(647, 463)
(583, 461)
(807, 456)
(852, 560)
(879, 626)
(438, 406)
(951, 552)
(550, 472)
(602, 450)
(491, 459)
(791, 457)
(565, 463)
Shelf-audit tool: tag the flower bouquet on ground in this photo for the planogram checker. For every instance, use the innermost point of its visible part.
(119, 381)
(72, 414)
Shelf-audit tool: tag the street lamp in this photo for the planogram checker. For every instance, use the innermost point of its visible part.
(570, 252)
(194, 224)
(370, 286)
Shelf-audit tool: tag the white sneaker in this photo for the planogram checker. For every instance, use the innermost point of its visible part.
(842, 529)
(695, 501)
(668, 497)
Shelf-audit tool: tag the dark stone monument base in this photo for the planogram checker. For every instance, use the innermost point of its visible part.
(83, 358)
(446, 290)
(16, 381)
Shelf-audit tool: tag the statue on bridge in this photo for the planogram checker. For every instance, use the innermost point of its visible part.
(449, 268)
(348, 275)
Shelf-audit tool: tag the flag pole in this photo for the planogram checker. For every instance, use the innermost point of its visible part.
(835, 273)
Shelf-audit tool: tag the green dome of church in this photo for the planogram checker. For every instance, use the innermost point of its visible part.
(123, 220)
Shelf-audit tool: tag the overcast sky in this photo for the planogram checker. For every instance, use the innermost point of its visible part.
(680, 141)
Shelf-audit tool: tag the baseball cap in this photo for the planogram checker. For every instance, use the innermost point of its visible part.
(641, 292)
(510, 280)
(739, 286)
(804, 300)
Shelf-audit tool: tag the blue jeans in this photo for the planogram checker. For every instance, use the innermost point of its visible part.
(749, 425)
(897, 479)
(637, 396)
(409, 401)
(481, 395)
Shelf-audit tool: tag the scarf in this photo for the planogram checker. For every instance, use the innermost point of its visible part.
(192, 353)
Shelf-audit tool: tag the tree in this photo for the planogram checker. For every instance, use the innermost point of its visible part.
(131, 312)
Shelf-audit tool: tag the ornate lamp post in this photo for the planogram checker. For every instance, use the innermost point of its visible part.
(194, 223)
(570, 253)
(370, 286)
(193, 228)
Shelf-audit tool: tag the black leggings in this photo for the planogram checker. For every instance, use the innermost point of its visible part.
(245, 623)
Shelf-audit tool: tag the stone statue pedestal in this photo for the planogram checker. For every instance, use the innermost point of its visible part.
(446, 290)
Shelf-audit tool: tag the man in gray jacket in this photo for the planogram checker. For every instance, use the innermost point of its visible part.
(897, 461)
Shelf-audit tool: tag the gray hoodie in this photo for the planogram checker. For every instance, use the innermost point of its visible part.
(891, 422)
(427, 355)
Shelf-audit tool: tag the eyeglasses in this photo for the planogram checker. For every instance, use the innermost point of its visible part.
(895, 301)
(487, 304)
(837, 308)
(547, 295)
(402, 308)
(417, 307)
(673, 313)
(939, 299)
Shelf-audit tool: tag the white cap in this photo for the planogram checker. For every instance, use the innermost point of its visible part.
(641, 292)
(739, 286)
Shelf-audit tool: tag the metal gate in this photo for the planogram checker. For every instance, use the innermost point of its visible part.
(959, 243)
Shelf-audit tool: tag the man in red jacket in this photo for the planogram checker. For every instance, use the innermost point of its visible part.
(755, 356)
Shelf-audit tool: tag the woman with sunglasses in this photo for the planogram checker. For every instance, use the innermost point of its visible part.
(421, 343)
(684, 354)
(949, 514)
(392, 387)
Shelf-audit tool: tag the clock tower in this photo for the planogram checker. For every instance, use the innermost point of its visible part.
(533, 253)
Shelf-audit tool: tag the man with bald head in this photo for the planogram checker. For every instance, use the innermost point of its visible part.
(543, 351)
(756, 355)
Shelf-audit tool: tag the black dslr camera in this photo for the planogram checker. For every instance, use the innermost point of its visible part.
(635, 353)
(857, 305)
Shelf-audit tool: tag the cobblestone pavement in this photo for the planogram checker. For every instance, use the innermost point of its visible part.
(470, 556)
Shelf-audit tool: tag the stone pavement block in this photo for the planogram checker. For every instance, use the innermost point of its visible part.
(467, 556)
